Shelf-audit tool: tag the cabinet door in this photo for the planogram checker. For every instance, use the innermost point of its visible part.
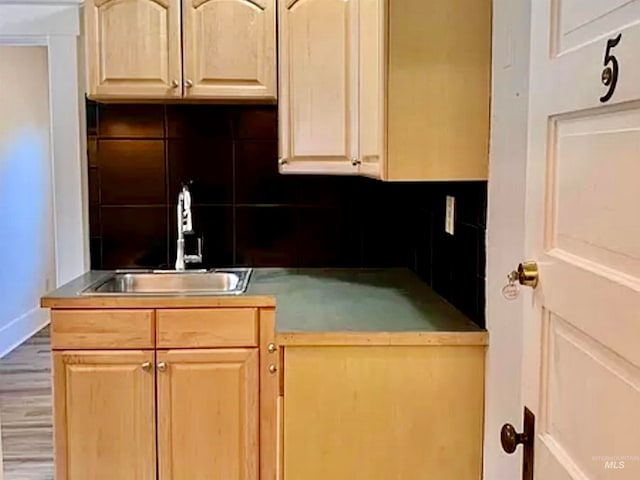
(133, 48)
(372, 48)
(318, 86)
(230, 48)
(104, 404)
(208, 414)
(383, 412)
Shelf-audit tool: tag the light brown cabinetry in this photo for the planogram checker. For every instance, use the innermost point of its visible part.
(197, 409)
(393, 89)
(381, 412)
(105, 415)
(211, 398)
(163, 49)
(318, 86)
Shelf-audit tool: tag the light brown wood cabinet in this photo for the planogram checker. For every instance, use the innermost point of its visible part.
(392, 89)
(105, 415)
(209, 397)
(200, 410)
(164, 49)
(382, 412)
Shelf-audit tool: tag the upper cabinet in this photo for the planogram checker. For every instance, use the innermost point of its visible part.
(229, 48)
(392, 89)
(318, 86)
(133, 48)
(148, 49)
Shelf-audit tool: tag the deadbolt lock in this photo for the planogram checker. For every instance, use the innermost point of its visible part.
(528, 274)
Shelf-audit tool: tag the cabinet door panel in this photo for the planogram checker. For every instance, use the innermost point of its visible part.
(318, 86)
(229, 48)
(133, 48)
(104, 415)
(208, 422)
(372, 48)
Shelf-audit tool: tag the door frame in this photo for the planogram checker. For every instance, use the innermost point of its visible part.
(56, 26)
(506, 230)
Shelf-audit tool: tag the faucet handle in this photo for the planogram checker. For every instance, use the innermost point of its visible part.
(197, 258)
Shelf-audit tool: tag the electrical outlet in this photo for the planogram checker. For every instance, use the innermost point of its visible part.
(450, 216)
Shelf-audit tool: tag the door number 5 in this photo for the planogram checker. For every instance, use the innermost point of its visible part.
(611, 67)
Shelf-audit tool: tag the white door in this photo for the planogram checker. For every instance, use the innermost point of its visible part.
(581, 368)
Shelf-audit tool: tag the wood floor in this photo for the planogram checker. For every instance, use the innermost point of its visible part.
(25, 411)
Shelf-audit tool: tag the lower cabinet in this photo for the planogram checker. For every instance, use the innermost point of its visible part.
(205, 425)
(208, 414)
(105, 415)
(383, 412)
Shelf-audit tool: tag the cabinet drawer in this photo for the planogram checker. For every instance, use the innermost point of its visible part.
(207, 328)
(100, 329)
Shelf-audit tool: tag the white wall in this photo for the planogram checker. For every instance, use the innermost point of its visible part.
(27, 261)
(505, 229)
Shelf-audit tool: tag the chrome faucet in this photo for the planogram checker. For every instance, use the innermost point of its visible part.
(185, 225)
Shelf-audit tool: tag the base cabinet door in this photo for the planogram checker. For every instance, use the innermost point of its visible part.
(208, 414)
(105, 418)
(383, 412)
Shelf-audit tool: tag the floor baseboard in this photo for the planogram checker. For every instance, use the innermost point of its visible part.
(21, 329)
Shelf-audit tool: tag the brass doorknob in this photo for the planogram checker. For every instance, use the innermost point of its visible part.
(146, 366)
(510, 439)
(188, 83)
(528, 274)
(175, 84)
(162, 367)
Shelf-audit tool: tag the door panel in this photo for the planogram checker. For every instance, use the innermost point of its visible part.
(104, 415)
(372, 50)
(230, 48)
(318, 86)
(133, 48)
(208, 422)
(582, 363)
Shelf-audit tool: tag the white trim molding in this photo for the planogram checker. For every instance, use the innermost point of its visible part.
(55, 26)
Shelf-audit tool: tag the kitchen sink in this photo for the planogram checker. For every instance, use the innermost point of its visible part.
(170, 282)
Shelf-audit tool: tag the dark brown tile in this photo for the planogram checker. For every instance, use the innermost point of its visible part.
(257, 178)
(266, 237)
(134, 237)
(95, 253)
(92, 151)
(329, 237)
(131, 121)
(132, 172)
(92, 117)
(422, 226)
(209, 121)
(386, 237)
(214, 225)
(94, 221)
(94, 186)
(206, 165)
(327, 190)
(465, 248)
(255, 123)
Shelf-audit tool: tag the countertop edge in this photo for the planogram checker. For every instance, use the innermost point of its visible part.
(97, 302)
(328, 339)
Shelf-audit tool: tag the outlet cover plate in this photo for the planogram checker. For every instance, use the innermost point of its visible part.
(450, 215)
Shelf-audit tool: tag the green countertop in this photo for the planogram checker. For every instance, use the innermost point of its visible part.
(352, 300)
(308, 301)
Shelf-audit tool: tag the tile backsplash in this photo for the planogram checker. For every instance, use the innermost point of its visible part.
(249, 214)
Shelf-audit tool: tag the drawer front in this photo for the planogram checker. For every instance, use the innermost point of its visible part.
(102, 329)
(207, 328)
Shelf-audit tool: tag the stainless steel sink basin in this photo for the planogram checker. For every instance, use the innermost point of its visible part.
(217, 282)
